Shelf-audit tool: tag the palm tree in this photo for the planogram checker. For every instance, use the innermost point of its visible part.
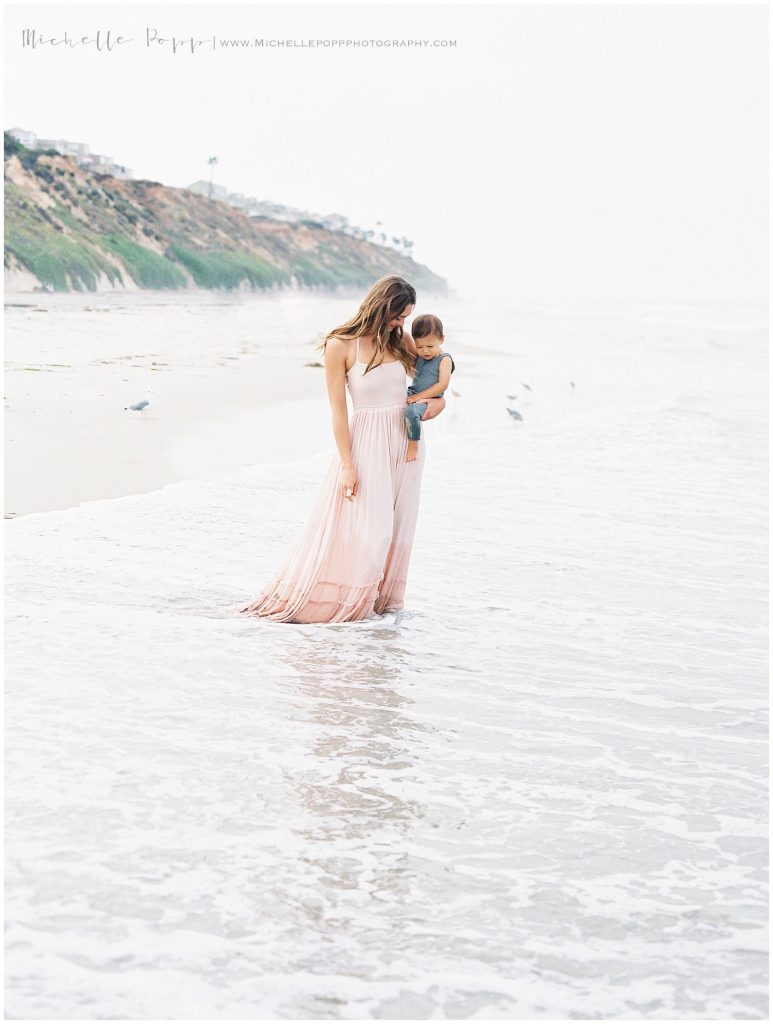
(212, 161)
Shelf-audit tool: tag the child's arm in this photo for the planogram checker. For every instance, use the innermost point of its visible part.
(422, 396)
(444, 378)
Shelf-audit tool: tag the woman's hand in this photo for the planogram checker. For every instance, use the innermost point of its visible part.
(434, 407)
(348, 479)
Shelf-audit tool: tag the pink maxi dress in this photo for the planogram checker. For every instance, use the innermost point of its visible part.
(351, 558)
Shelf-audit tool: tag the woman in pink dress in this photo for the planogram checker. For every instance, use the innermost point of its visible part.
(351, 558)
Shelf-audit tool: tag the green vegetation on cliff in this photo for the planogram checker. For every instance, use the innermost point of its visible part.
(72, 229)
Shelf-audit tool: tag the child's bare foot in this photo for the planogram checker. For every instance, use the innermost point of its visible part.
(412, 452)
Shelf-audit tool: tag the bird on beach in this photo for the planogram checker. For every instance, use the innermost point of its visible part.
(140, 406)
(514, 412)
(527, 386)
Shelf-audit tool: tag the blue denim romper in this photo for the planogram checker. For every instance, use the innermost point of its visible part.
(425, 375)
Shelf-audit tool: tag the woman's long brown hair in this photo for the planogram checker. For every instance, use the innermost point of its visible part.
(386, 300)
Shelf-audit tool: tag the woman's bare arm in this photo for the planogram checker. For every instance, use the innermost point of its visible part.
(335, 378)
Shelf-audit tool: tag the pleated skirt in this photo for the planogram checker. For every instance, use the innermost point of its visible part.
(351, 558)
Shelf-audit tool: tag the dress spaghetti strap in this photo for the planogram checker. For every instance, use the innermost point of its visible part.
(357, 350)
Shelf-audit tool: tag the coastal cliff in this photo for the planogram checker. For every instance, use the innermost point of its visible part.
(67, 229)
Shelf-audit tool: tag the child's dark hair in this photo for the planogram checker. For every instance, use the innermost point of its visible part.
(426, 324)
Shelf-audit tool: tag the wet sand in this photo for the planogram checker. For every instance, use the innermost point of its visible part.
(230, 378)
(216, 366)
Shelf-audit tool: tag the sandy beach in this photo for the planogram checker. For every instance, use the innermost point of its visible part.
(214, 364)
(220, 367)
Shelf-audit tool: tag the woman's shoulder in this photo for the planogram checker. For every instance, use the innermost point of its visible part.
(346, 339)
(341, 342)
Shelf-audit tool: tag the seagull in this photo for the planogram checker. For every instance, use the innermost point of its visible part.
(140, 406)
(527, 386)
(511, 397)
(515, 414)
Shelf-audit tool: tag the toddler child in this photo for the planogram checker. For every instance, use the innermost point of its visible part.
(431, 375)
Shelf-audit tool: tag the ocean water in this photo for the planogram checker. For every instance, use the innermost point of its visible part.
(540, 791)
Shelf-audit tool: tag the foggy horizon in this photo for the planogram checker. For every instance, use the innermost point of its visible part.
(555, 154)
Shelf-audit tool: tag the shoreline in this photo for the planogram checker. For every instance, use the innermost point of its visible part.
(136, 454)
(232, 388)
(216, 371)
(230, 384)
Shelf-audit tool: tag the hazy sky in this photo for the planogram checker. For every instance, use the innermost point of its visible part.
(582, 152)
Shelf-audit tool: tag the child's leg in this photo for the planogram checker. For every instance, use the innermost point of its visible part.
(412, 420)
(413, 414)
